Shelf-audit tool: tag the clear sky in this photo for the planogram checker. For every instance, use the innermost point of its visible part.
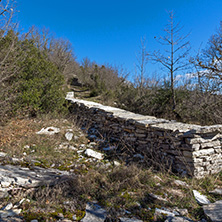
(109, 31)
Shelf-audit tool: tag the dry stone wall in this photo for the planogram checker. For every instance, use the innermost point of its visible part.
(189, 149)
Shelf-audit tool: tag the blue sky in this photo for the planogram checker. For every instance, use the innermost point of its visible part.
(109, 31)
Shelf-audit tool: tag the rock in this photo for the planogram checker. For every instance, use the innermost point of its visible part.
(72, 148)
(16, 160)
(26, 147)
(180, 183)
(60, 215)
(3, 194)
(69, 136)
(94, 213)
(34, 220)
(8, 207)
(213, 211)
(24, 177)
(116, 163)
(157, 197)
(164, 212)
(74, 217)
(201, 199)
(175, 192)
(182, 212)
(217, 191)
(94, 154)
(19, 203)
(9, 213)
(125, 219)
(63, 146)
(178, 219)
(158, 178)
(49, 131)
(92, 144)
(5, 183)
(76, 138)
(2, 154)
(70, 95)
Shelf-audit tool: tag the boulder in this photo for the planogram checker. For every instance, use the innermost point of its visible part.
(214, 211)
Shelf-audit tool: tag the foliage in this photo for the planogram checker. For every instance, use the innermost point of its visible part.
(40, 82)
(29, 80)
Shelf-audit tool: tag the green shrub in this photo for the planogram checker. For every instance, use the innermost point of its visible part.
(40, 83)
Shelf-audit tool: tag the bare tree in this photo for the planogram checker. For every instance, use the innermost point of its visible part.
(209, 63)
(7, 9)
(58, 51)
(173, 59)
(140, 70)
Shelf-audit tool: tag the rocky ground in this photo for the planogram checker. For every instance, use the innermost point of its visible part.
(51, 170)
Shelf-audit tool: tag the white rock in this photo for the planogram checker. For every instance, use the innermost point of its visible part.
(34, 220)
(19, 203)
(204, 152)
(180, 183)
(70, 95)
(76, 137)
(94, 154)
(49, 130)
(72, 148)
(154, 196)
(69, 136)
(116, 163)
(164, 212)
(5, 183)
(158, 178)
(201, 199)
(8, 207)
(2, 154)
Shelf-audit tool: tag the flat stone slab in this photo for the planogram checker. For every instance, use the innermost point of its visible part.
(176, 126)
(149, 122)
(217, 191)
(24, 177)
(94, 213)
(201, 199)
(126, 219)
(214, 211)
(178, 219)
(170, 125)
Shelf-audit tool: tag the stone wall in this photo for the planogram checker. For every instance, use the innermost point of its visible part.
(192, 149)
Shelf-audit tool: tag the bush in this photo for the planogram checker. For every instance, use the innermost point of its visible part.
(40, 83)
